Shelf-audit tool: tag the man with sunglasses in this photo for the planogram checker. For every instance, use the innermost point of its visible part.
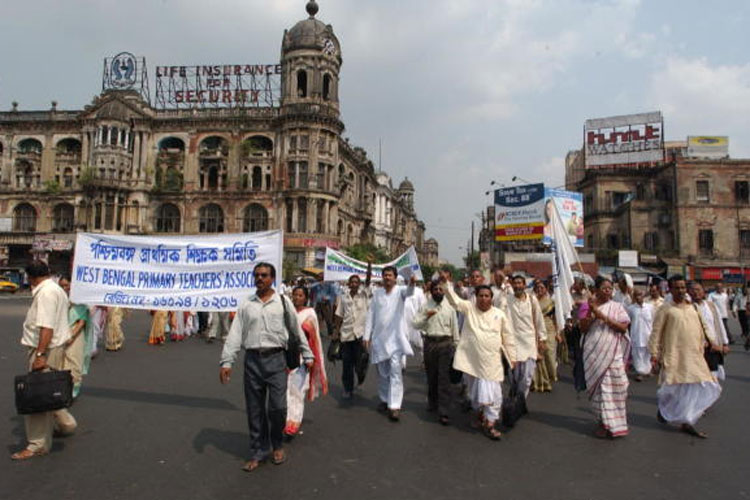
(260, 327)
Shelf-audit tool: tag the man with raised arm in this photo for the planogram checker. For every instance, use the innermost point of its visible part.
(387, 339)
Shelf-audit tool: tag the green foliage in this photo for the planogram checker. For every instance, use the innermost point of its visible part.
(173, 180)
(363, 250)
(87, 176)
(472, 261)
(289, 268)
(52, 187)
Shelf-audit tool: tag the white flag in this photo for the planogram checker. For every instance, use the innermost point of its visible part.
(563, 256)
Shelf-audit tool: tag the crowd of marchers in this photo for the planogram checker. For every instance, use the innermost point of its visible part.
(480, 341)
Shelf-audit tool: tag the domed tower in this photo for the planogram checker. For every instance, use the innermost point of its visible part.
(311, 61)
(406, 192)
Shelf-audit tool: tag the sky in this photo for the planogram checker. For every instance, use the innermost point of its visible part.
(461, 93)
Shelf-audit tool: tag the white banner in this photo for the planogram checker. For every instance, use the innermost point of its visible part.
(339, 266)
(181, 273)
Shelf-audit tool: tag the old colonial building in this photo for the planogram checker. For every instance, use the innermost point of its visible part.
(121, 165)
(692, 212)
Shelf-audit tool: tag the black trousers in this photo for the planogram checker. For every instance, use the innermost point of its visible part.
(265, 402)
(438, 356)
(350, 352)
(726, 327)
(742, 318)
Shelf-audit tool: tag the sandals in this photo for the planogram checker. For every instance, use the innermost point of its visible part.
(278, 457)
(26, 454)
(251, 465)
(491, 432)
(689, 429)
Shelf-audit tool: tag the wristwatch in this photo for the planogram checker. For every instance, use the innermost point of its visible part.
(40, 354)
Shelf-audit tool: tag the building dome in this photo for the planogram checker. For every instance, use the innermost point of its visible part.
(406, 185)
(310, 33)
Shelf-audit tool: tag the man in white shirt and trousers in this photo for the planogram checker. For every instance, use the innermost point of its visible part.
(720, 298)
(387, 339)
(712, 318)
(530, 332)
(641, 322)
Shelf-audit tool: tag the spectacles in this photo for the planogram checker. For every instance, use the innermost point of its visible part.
(261, 275)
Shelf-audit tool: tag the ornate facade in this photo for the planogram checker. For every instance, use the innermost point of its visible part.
(122, 166)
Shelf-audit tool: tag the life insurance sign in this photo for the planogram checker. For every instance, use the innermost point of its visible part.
(519, 213)
(626, 139)
(123, 71)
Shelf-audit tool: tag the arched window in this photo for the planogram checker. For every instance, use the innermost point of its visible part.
(30, 146)
(171, 144)
(214, 152)
(301, 83)
(326, 87)
(211, 219)
(168, 219)
(257, 146)
(340, 228)
(255, 219)
(114, 133)
(24, 218)
(63, 218)
(257, 178)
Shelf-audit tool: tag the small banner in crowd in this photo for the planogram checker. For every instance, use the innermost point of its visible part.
(340, 266)
(183, 273)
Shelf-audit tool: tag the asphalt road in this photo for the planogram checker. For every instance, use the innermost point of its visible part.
(154, 422)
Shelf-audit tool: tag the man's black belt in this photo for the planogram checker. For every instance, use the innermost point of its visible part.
(441, 338)
(266, 351)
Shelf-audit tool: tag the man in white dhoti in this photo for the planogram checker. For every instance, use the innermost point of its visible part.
(641, 321)
(387, 340)
(715, 327)
(529, 330)
(687, 388)
(487, 336)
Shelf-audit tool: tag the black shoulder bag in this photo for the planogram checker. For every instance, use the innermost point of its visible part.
(292, 351)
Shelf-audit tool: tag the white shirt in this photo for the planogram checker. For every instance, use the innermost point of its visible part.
(49, 309)
(722, 303)
(641, 323)
(716, 331)
(261, 325)
(353, 313)
(385, 326)
(528, 325)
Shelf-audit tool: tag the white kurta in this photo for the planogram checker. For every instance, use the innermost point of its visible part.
(528, 326)
(385, 327)
(641, 323)
(412, 305)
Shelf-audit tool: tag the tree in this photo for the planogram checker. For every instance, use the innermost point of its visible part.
(362, 250)
(472, 261)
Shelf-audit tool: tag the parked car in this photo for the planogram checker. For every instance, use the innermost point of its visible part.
(7, 285)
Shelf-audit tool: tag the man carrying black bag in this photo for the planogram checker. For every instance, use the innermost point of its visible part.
(263, 326)
(45, 332)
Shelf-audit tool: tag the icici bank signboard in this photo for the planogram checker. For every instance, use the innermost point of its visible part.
(621, 140)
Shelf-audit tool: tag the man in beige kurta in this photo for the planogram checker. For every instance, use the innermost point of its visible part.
(530, 333)
(687, 388)
(486, 336)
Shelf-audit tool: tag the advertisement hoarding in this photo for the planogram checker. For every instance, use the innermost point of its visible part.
(708, 146)
(626, 139)
(519, 213)
(570, 207)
